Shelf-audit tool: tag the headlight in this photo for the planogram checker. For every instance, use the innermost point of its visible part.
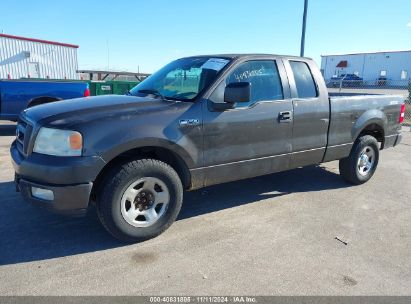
(58, 142)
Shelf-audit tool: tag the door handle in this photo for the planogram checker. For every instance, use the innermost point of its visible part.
(285, 116)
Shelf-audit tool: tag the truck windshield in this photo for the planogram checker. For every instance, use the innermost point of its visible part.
(182, 79)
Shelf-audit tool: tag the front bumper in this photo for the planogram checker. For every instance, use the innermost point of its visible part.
(68, 200)
(69, 178)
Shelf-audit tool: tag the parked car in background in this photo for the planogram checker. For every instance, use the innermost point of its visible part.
(17, 95)
(382, 81)
(347, 80)
(197, 122)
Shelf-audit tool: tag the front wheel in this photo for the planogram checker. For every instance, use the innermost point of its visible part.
(140, 200)
(362, 162)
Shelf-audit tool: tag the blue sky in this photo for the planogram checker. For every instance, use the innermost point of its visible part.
(146, 34)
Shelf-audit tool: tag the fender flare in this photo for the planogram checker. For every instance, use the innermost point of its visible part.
(370, 117)
(153, 143)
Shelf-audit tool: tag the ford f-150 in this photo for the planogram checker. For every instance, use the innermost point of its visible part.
(198, 121)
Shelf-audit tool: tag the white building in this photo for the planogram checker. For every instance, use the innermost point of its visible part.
(394, 65)
(22, 57)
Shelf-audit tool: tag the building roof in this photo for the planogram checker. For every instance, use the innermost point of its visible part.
(366, 53)
(39, 40)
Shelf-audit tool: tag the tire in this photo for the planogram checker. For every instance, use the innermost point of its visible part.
(357, 168)
(131, 195)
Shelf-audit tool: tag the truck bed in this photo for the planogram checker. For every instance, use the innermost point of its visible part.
(349, 111)
(17, 95)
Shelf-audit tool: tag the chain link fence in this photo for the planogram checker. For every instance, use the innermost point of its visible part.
(382, 85)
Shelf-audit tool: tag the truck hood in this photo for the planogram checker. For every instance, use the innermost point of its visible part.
(90, 108)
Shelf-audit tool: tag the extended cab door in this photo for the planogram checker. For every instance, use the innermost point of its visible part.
(248, 139)
(311, 112)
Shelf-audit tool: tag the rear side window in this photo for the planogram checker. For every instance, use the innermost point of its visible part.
(264, 78)
(304, 80)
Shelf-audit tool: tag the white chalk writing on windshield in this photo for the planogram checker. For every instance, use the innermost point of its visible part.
(249, 73)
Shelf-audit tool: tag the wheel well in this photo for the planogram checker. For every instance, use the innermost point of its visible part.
(374, 130)
(162, 154)
(41, 100)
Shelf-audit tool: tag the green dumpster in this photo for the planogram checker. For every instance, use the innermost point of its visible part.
(111, 87)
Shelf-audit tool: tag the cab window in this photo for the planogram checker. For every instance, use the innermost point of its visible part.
(304, 80)
(264, 78)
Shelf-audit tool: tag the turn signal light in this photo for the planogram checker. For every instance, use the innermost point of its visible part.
(87, 92)
(76, 141)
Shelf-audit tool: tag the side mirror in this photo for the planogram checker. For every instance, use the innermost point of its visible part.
(237, 92)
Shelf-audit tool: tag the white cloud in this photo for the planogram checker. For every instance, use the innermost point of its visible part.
(409, 24)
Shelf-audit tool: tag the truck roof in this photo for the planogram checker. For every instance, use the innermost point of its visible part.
(249, 55)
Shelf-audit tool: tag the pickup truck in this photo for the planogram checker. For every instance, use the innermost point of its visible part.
(346, 80)
(197, 122)
(17, 95)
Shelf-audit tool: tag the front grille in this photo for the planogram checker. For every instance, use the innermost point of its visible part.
(23, 135)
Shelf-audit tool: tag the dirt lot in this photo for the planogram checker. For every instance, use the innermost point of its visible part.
(273, 235)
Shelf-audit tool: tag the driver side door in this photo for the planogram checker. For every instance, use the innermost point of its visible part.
(253, 138)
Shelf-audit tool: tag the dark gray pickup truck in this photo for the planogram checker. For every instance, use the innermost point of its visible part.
(196, 122)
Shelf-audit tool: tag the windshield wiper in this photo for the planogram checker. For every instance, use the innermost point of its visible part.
(157, 93)
(151, 91)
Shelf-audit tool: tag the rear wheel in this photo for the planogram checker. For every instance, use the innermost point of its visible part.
(140, 200)
(362, 162)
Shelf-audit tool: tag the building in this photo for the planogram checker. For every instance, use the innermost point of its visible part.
(394, 66)
(22, 57)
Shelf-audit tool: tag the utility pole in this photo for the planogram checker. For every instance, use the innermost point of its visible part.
(303, 32)
(108, 55)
